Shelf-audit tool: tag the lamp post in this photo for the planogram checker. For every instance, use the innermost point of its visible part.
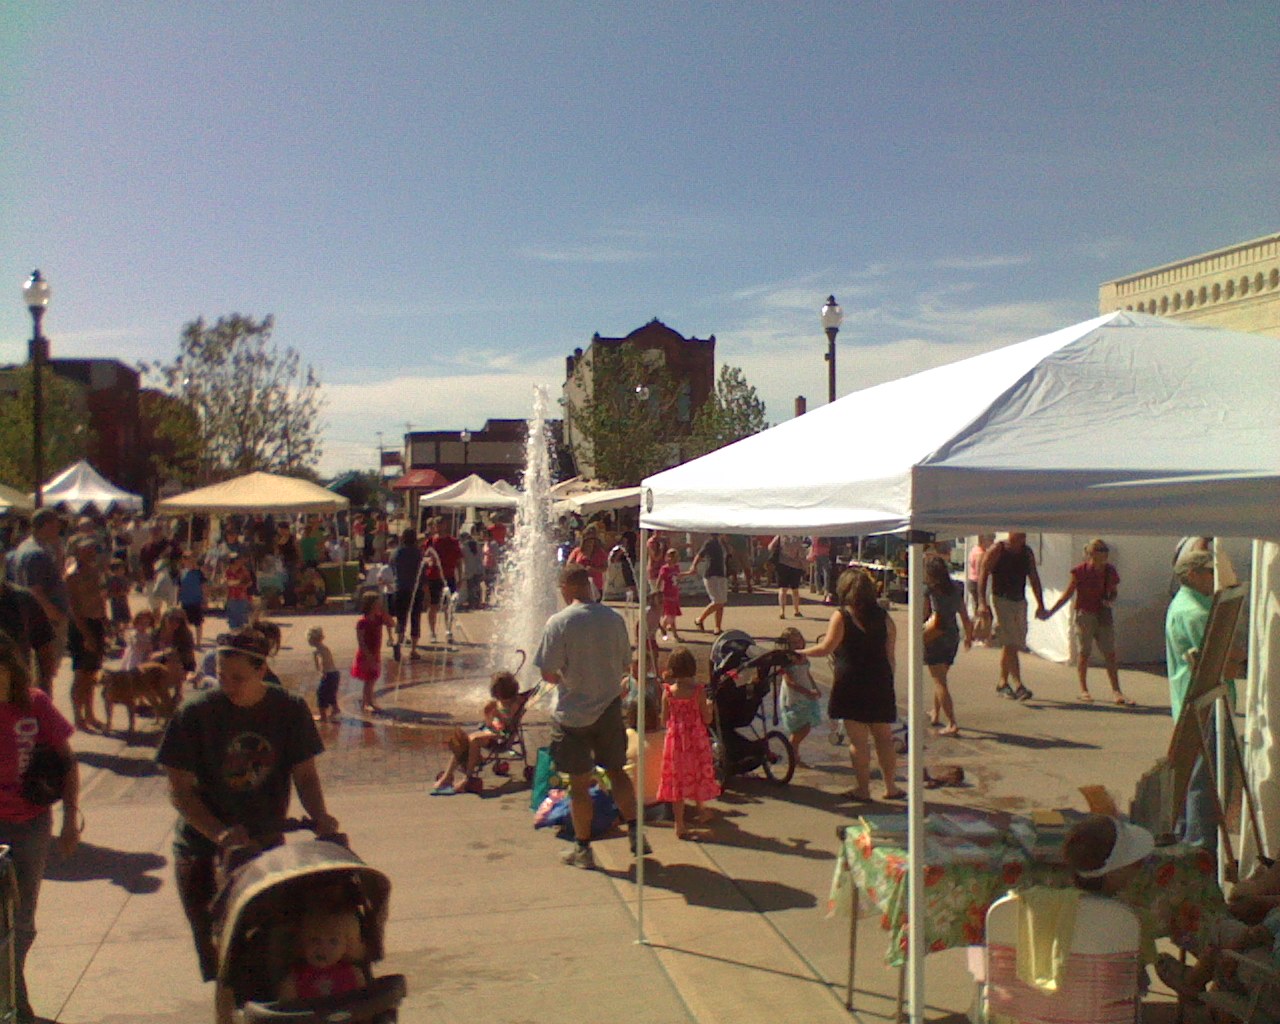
(36, 293)
(832, 317)
(465, 437)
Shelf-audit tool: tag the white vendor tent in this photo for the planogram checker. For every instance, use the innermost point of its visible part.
(1124, 424)
(80, 485)
(589, 502)
(12, 500)
(255, 492)
(469, 492)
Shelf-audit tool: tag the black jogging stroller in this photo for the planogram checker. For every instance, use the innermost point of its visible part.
(743, 676)
(257, 913)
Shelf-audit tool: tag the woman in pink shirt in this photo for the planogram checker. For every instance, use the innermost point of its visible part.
(1094, 583)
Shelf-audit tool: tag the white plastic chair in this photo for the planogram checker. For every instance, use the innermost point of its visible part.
(1101, 981)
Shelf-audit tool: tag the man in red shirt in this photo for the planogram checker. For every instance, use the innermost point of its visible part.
(442, 571)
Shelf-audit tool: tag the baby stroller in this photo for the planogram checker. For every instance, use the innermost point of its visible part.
(742, 676)
(506, 748)
(256, 915)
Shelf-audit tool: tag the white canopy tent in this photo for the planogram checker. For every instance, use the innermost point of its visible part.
(255, 493)
(80, 485)
(12, 500)
(589, 502)
(1122, 424)
(469, 492)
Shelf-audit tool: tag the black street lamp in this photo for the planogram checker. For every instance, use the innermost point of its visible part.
(465, 437)
(36, 293)
(832, 317)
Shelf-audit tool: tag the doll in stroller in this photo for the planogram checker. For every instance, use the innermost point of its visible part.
(743, 676)
(297, 930)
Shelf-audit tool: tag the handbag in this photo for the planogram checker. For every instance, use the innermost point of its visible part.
(45, 776)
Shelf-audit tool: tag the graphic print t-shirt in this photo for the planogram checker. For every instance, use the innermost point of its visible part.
(242, 758)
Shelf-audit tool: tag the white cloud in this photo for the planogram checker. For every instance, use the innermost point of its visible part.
(590, 252)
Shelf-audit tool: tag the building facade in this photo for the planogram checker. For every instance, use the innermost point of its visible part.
(1237, 287)
(690, 361)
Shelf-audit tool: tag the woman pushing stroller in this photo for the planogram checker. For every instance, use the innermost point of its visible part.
(231, 755)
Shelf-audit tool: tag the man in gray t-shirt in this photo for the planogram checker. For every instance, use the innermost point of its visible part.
(585, 652)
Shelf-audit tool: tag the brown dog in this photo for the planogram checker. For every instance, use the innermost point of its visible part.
(151, 684)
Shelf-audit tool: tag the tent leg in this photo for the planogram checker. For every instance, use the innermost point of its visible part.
(642, 671)
(915, 769)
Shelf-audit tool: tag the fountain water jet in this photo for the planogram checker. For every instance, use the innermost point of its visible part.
(528, 594)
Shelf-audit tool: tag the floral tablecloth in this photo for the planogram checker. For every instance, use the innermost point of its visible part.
(1173, 898)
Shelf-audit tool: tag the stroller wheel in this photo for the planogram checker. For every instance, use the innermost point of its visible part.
(780, 759)
(502, 768)
(720, 759)
(528, 773)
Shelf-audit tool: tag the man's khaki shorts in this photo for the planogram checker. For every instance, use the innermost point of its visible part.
(1011, 623)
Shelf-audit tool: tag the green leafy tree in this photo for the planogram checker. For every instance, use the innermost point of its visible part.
(367, 488)
(731, 412)
(247, 404)
(623, 413)
(67, 434)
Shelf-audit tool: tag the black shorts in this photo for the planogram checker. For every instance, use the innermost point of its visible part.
(576, 750)
(434, 589)
(195, 614)
(84, 657)
(789, 576)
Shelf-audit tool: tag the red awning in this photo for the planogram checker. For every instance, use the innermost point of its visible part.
(420, 480)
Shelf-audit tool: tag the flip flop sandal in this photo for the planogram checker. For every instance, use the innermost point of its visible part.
(1086, 698)
(856, 797)
(1125, 702)
(444, 791)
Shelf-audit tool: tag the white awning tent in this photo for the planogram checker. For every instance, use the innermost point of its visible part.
(589, 502)
(1122, 424)
(12, 500)
(469, 492)
(80, 485)
(255, 493)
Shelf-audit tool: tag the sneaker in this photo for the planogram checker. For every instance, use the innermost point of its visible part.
(1022, 693)
(579, 857)
(1005, 690)
(635, 852)
(395, 651)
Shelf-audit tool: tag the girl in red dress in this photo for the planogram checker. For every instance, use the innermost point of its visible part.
(688, 771)
(367, 666)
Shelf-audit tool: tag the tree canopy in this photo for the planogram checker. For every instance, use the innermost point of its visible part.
(630, 417)
(241, 404)
(67, 434)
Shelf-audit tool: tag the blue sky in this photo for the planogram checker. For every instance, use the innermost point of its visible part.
(440, 201)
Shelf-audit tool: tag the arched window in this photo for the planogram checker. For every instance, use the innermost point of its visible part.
(1203, 297)
(1164, 303)
(1275, 278)
(1189, 299)
(1229, 292)
(1177, 301)
(1217, 291)
(1258, 281)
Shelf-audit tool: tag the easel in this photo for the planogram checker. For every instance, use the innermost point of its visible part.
(1190, 735)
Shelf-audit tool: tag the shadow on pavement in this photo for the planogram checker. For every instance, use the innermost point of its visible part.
(125, 868)
(120, 764)
(703, 887)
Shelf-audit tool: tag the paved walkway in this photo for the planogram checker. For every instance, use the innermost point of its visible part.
(485, 921)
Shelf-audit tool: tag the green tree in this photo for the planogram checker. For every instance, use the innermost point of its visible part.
(731, 412)
(623, 413)
(249, 405)
(67, 434)
(366, 488)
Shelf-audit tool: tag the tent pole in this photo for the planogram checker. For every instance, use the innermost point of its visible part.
(1253, 696)
(1220, 747)
(642, 684)
(915, 775)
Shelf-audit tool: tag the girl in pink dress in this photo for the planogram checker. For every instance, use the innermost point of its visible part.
(688, 772)
(669, 584)
(367, 666)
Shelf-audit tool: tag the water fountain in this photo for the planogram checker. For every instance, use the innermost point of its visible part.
(528, 595)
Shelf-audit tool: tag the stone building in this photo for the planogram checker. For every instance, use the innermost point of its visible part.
(1237, 287)
(690, 361)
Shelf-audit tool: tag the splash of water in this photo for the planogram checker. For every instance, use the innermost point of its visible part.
(528, 594)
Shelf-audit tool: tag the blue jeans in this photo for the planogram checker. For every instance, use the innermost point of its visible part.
(1200, 815)
(825, 584)
(237, 612)
(28, 843)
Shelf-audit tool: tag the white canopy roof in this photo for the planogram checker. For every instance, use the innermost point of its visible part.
(80, 485)
(15, 501)
(469, 492)
(255, 492)
(587, 502)
(1126, 423)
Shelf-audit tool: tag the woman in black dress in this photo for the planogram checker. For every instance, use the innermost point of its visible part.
(860, 637)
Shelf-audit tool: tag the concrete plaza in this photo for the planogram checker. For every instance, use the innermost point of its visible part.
(485, 921)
